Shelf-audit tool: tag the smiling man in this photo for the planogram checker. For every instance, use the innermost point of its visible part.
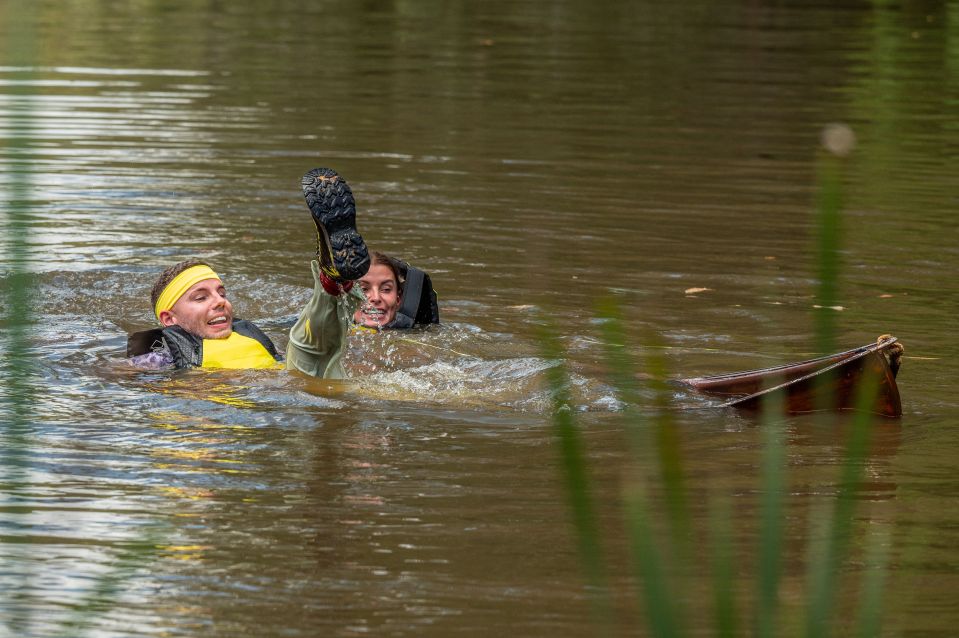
(194, 300)
(190, 302)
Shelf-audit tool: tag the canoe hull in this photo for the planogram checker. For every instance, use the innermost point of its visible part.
(826, 383)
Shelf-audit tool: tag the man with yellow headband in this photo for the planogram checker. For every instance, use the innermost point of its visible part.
(199, 330)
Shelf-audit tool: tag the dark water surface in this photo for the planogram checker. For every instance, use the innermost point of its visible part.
(533, 157)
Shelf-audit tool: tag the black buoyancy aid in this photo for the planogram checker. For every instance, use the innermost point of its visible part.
(418, 305)
(246, 347)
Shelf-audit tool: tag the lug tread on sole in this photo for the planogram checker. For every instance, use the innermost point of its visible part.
(333, 208)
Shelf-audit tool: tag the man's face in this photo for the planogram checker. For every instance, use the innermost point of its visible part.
(382, 296)
(202, 310)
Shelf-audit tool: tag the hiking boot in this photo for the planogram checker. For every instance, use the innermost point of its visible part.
(339, 248)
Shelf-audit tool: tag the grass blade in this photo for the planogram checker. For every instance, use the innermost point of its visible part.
(657, 570)
(664, 435)
(575, 477)
(825, 574)
(17, 393)
(838, 141)
(659, 598)
(724, 600)
(869, 619)
(772, 483)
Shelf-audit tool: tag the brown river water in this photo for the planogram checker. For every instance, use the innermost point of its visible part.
(534, 157)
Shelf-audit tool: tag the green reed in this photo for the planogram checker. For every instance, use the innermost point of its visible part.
(18, 368)
(651, 430)
(667, 554)
(772, 514)
(102, 596)
(824, 568)
(725, 617)
(17, 394)
(576, 481)
(16, 320)
(823, 574)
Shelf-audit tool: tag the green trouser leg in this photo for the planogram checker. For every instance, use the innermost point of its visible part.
(318, 338)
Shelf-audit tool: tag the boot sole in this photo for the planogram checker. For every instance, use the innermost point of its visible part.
(342, 251)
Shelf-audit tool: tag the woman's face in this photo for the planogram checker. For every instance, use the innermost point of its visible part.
(382, 295)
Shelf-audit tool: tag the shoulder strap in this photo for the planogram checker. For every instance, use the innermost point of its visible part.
(412, 291)
(186, 348)
(429, 310)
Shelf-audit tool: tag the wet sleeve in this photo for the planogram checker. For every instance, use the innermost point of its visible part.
(318, 338)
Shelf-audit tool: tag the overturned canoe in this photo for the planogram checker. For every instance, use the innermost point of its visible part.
(825, 383)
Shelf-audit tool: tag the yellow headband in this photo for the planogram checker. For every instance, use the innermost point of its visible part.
(180, 284)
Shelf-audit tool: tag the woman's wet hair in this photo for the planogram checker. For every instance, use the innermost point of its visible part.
(170, 274)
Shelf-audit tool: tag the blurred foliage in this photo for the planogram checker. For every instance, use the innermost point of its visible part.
(669, 561)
